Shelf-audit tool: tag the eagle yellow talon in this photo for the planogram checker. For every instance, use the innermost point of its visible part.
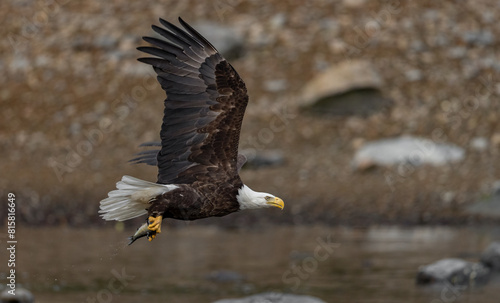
(154, 226)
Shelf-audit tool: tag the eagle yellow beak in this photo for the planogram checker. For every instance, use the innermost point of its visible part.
(277, 202)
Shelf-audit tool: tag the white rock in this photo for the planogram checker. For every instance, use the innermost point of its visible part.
(455, 271)
(21, 296)
(406, 149)
(413, 75)
(276, 85)
(278, 20)
(479, 143)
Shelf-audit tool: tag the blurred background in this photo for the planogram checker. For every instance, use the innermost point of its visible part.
(375, 121)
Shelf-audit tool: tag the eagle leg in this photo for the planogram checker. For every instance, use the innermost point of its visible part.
(154, 226)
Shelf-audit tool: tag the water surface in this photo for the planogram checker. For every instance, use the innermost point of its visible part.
(203, 264)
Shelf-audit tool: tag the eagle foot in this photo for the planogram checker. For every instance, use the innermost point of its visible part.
(151, 236)
(154, 227)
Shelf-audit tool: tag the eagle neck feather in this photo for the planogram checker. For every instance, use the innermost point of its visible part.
(247, 198)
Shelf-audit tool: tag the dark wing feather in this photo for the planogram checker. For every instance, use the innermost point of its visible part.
(206, 101)
(149, 157)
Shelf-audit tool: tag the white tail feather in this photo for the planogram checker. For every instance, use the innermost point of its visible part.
(131, 198)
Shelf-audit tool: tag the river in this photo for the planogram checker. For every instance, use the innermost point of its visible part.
(203, 264)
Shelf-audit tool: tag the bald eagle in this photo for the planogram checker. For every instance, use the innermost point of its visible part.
(198, 161)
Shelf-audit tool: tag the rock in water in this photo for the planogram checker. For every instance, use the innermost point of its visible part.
(406, 149)
(491, 257)
(350, 88)
(274, 298)
(453, 271)
(225, 276)
(21, 296)
(487, 207)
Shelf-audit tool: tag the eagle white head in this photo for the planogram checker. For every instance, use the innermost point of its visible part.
(250, 199)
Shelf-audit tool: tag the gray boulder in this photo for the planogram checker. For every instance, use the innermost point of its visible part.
(258, 159)
(489, 206)
(349, 88)
(21, 295)
(491, 257)
(406, 149)
(453, 271)
(273, 297)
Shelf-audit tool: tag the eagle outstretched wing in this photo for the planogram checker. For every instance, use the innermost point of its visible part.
(204, 108)
(149, 156)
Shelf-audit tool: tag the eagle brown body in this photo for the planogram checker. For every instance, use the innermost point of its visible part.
(196, 201)
(198, 162)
